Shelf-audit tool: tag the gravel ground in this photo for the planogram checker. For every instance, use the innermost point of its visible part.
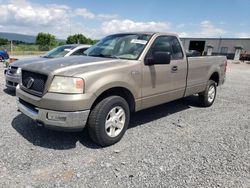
(178, 144)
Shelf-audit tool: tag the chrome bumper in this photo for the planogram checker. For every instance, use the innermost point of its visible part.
(67, 120)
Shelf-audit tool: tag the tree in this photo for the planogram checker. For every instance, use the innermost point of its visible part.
(79, 39)
(46, 41)
(60, 43)
(3, 41)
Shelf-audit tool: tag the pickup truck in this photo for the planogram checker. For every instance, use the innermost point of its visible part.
(123, 73)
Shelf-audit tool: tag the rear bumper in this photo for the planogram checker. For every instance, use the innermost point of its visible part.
(57, 120)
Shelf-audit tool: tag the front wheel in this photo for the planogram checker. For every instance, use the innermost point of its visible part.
(208, 96)
(108, 120)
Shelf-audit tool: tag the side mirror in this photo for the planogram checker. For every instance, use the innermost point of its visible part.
(159, 58)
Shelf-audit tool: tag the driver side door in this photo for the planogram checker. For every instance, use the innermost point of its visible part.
(164, 82)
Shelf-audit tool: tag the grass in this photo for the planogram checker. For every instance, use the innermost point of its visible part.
(21, 53)
(23, 49)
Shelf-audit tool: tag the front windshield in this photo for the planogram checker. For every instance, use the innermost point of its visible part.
(122, 46)
(60, 51)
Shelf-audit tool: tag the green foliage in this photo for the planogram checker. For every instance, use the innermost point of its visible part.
(20, 42)
(79, 38)
(95, 41)
(46, 41)
(62, 43)
(5, 47)
(26, 47)
(20, 47)
(3, 41)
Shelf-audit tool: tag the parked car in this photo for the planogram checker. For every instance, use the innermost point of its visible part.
(12, 73)
(4, 55)
(67, 50)
(121, 74)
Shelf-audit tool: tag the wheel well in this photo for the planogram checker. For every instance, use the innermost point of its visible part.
(118, 91)
(215, 77)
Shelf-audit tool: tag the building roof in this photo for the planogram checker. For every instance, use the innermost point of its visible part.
(214, 38)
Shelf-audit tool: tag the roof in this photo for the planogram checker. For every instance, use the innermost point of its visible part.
(187, 38)
(76, 45)
(146, 33)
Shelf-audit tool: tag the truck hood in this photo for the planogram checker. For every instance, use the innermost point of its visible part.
(27, 61)
(69, 66)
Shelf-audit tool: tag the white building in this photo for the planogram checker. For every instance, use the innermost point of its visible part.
(218, 46)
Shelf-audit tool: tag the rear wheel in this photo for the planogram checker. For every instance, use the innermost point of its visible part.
(208, 96)
(108, 120)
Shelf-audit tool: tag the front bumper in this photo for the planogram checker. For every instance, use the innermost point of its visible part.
(11, 80)
(54, 119)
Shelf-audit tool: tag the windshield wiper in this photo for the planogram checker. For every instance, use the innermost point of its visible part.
(46, 57)
(113, 56)
(106, 56)
(96, 55)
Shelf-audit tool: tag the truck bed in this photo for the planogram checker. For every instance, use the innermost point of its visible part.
(199, 70)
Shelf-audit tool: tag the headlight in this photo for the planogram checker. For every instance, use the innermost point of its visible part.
(18, 71)
(71, 85)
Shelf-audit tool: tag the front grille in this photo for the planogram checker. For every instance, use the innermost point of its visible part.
(38, 82)
(12, 70)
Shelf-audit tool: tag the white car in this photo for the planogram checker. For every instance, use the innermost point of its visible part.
(13, 72)
(67, 50)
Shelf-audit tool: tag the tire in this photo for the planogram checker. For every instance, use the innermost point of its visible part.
(106, 120)
(207, 97)
(1, 59)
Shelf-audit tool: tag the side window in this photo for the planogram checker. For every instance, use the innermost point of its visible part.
(162, 44)
(79, 52)
(167, 44)
(177, 50)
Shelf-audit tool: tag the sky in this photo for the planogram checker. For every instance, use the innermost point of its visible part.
(98, 18)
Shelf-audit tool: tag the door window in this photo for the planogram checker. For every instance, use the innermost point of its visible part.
(167, 44)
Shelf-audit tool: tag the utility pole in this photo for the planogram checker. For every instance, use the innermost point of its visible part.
(11, 47)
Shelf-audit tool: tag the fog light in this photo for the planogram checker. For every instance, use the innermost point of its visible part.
(56, 117)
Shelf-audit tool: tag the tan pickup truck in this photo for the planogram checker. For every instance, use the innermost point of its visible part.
(121, 74)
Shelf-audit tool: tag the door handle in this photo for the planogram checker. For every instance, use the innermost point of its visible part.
(174, 68)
